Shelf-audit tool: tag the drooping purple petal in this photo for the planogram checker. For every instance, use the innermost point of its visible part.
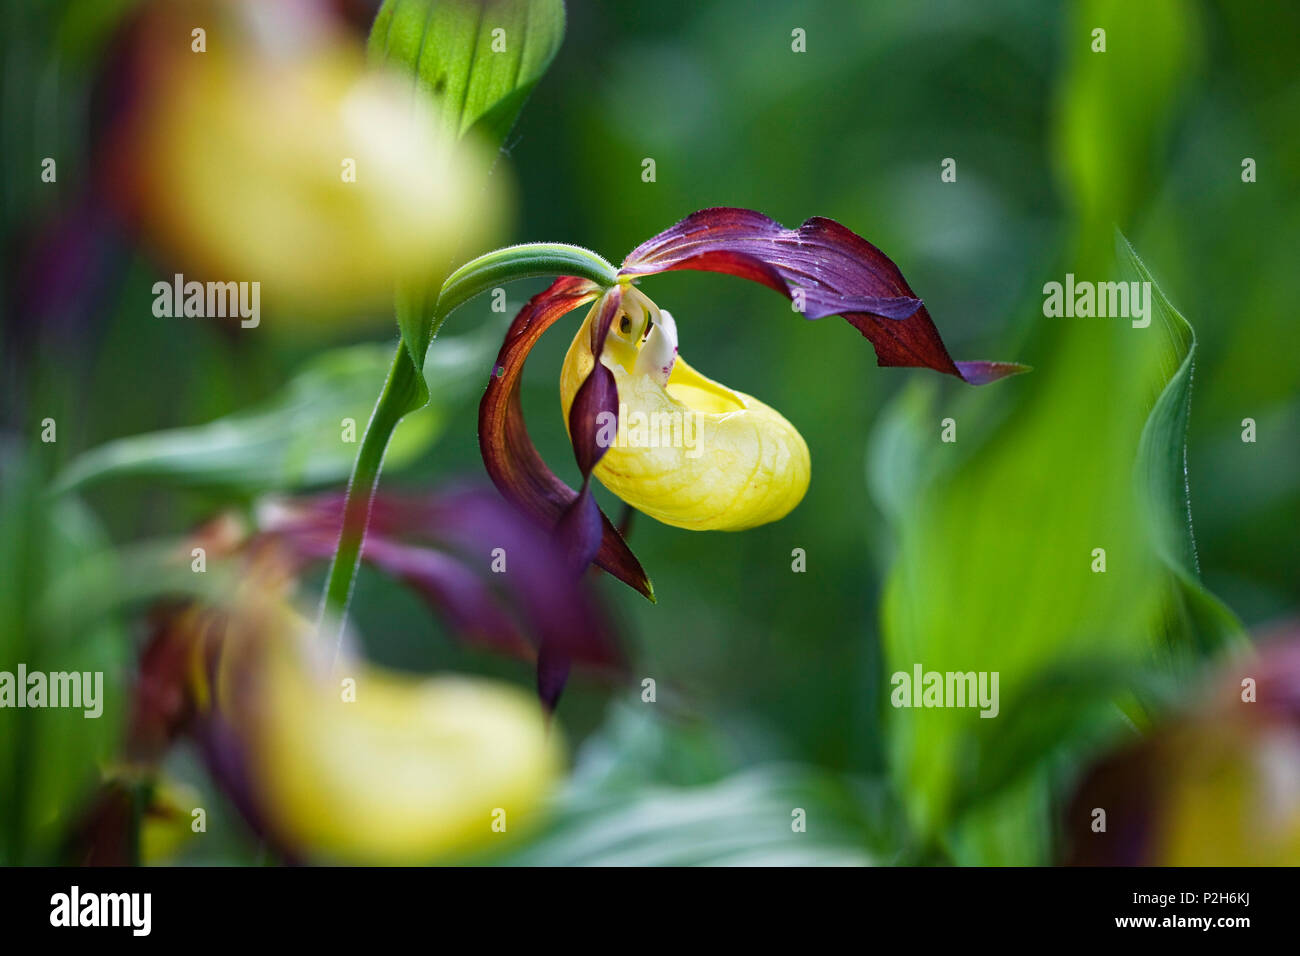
(596, 398)
(453, 591)
(981, 373)
(580, 529)
(552, 674)
(578, 532)
(549, 596)
(457, 594)
(825, 269)
(485, 570)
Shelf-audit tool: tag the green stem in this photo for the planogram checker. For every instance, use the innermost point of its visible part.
(522, 262)
(400, 388)
(403, 389)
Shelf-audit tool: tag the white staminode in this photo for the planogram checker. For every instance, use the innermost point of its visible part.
(642, 339)
(659, 350)
(655, 339)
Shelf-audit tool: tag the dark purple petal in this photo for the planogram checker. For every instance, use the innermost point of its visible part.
(161, 704)
(581, 527)
(225, 751)
(456, 594)
(548, 592)
(511, 459)
(831, 269)
(579, 530)
(609, 309)
(597, 397)
(578, 534)
(552, 674)
(981, 373)
(547, 575)
(488, 572)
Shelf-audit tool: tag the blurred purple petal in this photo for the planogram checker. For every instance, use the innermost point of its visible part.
(447, 547)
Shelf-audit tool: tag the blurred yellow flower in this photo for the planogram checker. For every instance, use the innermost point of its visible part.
(375, 767)
(1218, 785)
(169, 821)
(295, 166)
(347, 762)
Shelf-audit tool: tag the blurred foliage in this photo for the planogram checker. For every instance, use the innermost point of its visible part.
(973, 555)
(297, 439)
(998, 557)
(49, 758)
(654, 792)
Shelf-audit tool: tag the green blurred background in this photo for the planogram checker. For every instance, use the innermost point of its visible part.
(756, 664)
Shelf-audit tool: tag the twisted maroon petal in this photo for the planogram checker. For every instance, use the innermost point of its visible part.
(824, 268)
(512, 460)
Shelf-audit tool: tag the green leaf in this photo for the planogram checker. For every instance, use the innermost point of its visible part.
(1193, 613)
(296, 439)
(478, 59)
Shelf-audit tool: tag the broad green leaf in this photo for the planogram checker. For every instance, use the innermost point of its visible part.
(296, 439)
(478, 61)
(993, 575)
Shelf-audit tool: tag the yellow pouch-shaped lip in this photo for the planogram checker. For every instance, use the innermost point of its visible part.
(691, 453)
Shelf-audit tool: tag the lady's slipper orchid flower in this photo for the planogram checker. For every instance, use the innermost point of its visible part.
(730, 462)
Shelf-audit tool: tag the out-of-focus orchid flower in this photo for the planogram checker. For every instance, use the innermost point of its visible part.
(706, 456)
(372, 766)
(276, 156)
(1219, 786)
(354, 763)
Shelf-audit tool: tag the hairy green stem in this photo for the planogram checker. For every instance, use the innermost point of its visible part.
(399, 389)
(401, 393)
